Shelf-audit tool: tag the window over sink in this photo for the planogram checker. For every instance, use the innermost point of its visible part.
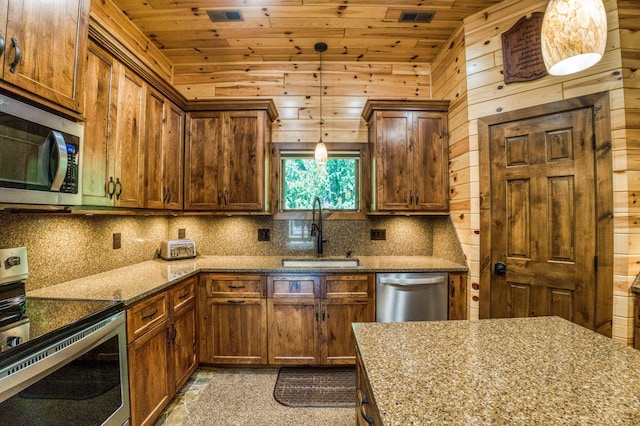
(337, 182)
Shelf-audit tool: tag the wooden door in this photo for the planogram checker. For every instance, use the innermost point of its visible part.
(243, 175)
(430, 162)
(183, 346)
(129, 138)
(543, 224)
(173, 162)
(293, 312)
(154, 189)
(203, 150)
(101, 88)
(149, 385)
(393, 165)
(52, 38)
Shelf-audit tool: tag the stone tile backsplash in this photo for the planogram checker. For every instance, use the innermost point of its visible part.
(62, 247)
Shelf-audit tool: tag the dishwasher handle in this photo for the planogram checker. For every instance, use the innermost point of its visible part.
(412, 281)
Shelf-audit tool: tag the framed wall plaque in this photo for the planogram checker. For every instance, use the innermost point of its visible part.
(521, 50)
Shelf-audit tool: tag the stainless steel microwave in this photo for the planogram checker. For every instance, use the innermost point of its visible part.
(40, 156)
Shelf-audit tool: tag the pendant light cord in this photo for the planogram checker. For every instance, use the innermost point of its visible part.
(320, 96)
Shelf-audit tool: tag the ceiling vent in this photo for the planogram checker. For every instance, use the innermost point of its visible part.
(416, 17)
(225, 15)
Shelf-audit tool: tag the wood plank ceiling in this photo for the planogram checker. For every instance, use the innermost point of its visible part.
(270, 53)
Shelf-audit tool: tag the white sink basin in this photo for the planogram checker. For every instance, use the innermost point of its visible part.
(319, 263)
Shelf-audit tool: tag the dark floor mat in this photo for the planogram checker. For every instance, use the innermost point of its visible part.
(316, 387)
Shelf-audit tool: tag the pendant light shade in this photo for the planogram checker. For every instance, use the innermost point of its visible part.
(320, 153)
(574, 35)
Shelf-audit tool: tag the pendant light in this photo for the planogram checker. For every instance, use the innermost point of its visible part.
(573, 35)
(320, 153)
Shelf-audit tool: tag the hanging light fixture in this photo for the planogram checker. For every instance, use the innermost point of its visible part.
(320, 153)
(573, 35)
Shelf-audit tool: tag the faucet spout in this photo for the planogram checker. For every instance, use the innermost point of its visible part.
(316, 227)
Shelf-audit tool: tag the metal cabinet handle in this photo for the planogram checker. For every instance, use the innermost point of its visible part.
(16, 59)
(410, 196)
(184, 295)
(225, 197)
(118, 188)
(323, 311)
(220, 197)
(3, 44)
(150, 314)
(236, 302)
(316, 312)
(111, 187)
(236, 286)
(363, 401)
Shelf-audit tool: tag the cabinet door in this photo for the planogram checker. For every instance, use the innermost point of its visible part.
(149, 384)
(393, 171)
(154, 189)
(129, 133)
(293, 312)
(203, 151)
(243, 174)
(52, 37)
(101, 91)
(184, 359)
(234, 331)
(430, 162)
(173, 151)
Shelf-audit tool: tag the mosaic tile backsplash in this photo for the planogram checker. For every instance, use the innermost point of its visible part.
(62, 247)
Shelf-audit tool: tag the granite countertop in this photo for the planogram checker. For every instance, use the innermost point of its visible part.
(521, 371)
(132, 283)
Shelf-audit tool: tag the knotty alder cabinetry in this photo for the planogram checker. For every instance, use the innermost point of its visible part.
(161, 336)
(409, 152)
(134, 137)
(233, 319)
(225, 159)
(51, 47)
(310, 316)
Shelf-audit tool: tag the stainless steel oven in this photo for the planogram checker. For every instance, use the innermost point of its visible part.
(40, 156)
(78, 379)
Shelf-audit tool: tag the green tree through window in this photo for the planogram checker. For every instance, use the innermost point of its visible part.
(336, 183)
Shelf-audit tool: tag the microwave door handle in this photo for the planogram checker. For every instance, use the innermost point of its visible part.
(58, 149)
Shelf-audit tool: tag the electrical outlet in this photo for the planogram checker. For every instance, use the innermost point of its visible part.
(378, 234)
(264, 235)
(117, 240)
(182, 233)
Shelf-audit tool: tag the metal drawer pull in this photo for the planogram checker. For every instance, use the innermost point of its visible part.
(150, 314)
(111, 187)
(363, 401)
(235, 301)
(237, 286)
(3, 44)
(18, 55)
(184, 295)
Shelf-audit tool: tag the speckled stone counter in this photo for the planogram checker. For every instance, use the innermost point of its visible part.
(132, 283)
(527, 371)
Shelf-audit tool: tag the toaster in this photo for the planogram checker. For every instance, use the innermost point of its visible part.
(177, 249)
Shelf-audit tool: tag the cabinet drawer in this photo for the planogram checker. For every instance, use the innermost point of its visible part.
(146, 314)
(182, 293)
(341, 286)
(235, 285)
(295, 286)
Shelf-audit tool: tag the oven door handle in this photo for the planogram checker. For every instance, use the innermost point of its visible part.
(58, 161)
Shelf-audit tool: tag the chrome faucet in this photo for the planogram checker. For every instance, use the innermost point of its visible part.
(316, 228)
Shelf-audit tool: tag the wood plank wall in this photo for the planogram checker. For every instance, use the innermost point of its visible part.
(488, 95)
(449, 77)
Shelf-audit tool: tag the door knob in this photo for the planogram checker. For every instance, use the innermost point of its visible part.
(500, 268)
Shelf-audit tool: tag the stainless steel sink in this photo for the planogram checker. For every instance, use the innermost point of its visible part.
(320, 263)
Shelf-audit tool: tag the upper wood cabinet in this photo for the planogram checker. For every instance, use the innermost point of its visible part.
(45, 49)
(409, 152)
(164, 153)
(226, 159)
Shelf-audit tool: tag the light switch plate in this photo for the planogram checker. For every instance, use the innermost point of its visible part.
(117, 240)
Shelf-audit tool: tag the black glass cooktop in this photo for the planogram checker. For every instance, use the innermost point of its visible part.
(50, 319)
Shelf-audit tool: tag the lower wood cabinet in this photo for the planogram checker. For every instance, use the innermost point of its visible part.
(310, 316)
(233, 319)
(161, 335)
(366, 411)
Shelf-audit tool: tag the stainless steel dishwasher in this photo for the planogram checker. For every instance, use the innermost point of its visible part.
(411, 297)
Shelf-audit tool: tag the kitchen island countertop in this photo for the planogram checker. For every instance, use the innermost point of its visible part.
(526, 371)
(135, 282)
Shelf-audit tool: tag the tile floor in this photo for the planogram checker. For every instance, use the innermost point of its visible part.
(179, 408)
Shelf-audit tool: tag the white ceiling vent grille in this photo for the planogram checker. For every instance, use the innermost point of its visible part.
(416, 17)
(225, 15)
